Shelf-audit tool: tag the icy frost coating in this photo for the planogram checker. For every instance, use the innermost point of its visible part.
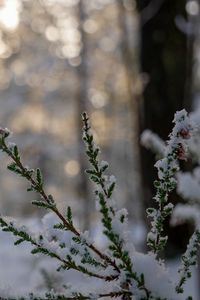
(189, 185)
(118, 271)
(167, 168)
(152, 141)
(186, 212)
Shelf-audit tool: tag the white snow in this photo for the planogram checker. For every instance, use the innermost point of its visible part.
(20, 272)
(152, 141)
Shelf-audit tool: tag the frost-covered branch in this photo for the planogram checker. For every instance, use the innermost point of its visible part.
(167, 168)
(113, 220)
(74, 296)
(34, 177)
(81, 254)
(122, 272)
(189, 259)
(186, 212)
(153, 142)
(55, 250)
(189, 185)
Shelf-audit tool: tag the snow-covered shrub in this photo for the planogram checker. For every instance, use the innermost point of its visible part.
(188, 183)
(118, 271)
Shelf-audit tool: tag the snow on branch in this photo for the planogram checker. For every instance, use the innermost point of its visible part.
(153, 142)
(167, 167)
(189, 259)
(119, 270)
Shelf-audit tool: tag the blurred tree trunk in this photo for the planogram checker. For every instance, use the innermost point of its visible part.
(129, 49)
(164, 60)
(83, 188)
(194, 20)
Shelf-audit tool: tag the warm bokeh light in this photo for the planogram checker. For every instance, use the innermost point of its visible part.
(72, 168)
(70, 35)
(9, 14)
(32, 117)
(90, 26)
(52, 33)
(129, 64)
(67, 3)
(192, 7)
(97, 98)
(3, 48)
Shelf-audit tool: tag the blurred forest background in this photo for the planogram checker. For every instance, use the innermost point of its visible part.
(129, 63)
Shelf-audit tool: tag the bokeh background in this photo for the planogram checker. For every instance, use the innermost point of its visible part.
(129, 63)
(58, 59)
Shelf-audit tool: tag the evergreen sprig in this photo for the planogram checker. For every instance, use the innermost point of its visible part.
(189, 259)
(67, 263)
(79, 253)
(35, 179)
(105, 188)
(167, 169)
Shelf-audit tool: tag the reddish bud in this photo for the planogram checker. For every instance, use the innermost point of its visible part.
(185, 133)
(181, 153)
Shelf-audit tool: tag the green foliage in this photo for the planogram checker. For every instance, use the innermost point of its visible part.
(80, 254)
(69, 215)
(189, 259)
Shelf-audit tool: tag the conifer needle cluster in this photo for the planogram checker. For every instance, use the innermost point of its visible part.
(119, 271)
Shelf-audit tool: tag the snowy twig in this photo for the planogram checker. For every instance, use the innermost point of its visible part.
(167, 168)
(153, 142)
(108, 209)
(123, 272)
(36, 184)
(189, 259)
(34, 177)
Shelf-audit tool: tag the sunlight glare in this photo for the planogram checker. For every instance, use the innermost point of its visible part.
(67, 3)
(70, 51)
(3, 48)
(72, 168)
(98, 99)
(70, 35)
(52, 33)
(192, 7)
(90, 26)
(9, 14)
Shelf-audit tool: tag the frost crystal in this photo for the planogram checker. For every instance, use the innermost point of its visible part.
(183, 212)
(152, 141)
(167, 168)
(189, 186)
(118, 270)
